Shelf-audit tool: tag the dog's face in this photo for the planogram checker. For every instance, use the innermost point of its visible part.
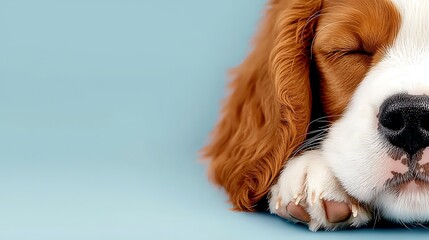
(369, 59)
(373, 62)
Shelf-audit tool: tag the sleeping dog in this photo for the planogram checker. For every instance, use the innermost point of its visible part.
(361, 65)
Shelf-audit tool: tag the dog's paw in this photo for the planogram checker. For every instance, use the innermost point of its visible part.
(308, 192)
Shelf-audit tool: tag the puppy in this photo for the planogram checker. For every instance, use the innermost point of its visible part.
(364, 65)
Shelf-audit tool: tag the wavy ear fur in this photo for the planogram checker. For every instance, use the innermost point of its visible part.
(267, 114)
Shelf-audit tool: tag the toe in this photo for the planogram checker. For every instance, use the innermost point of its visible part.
(336, 211)
(298, 212)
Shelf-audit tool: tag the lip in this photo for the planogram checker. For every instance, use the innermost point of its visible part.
(408, 180)
(415, 185)
(416, 175)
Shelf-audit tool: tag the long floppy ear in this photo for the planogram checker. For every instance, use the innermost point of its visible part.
(267, 114)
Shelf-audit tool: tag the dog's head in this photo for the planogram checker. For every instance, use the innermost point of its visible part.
(372, 59)
(367, 63)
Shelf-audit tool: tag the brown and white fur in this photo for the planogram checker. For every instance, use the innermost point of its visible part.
(358, 53)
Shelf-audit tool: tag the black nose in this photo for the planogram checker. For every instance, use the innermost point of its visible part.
(404, 121)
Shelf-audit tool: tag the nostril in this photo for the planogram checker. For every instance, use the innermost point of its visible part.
(393, 121)
(424, 122)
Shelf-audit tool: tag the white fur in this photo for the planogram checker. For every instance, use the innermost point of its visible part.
(307, 180)
(353, 149)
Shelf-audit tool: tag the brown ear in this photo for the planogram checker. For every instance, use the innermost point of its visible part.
(266, 117)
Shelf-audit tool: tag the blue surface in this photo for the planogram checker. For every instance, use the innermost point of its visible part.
(104, 105)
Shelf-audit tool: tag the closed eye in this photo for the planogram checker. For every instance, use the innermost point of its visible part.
(360, 52)
(346, 52)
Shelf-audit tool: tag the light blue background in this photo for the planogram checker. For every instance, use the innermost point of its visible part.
(104, 105)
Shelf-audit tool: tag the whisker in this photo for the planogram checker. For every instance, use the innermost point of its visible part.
(318, 131)
(319, 135)
(325, 117)
(311, 142)
(377, 217)
(305, 145)
(421, 225)
(313, 17)
(405, 225)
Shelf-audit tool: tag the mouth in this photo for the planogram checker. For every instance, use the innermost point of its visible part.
(408, 182)
(415, 179)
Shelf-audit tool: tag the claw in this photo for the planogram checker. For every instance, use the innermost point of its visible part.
(354, 210)
(298, 199)
(313, 199)
(278, 202)
(321, 196)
